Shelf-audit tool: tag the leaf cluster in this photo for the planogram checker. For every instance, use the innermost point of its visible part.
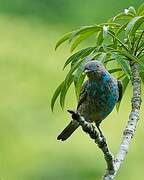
(119, 42)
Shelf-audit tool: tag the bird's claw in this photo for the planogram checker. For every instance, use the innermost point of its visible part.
(75, 114)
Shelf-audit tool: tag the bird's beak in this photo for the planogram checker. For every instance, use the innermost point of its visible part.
(86, 71)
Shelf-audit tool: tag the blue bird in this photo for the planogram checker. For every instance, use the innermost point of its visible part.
(98, 96)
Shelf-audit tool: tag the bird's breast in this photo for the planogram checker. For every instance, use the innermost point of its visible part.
(101, 99)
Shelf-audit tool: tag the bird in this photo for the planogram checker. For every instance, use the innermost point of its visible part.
(98, 97)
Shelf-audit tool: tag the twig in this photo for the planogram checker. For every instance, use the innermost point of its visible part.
(99, 140)
(132, 122)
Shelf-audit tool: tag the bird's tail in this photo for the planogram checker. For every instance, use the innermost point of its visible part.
(67, 132)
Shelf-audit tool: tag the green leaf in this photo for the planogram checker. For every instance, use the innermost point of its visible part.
(67, 82)
(65, 89)
(56, 94)
(121, 76)
(125, 82)
(133, 25)
(141, 45)
(109, 60)
(111, 24)
(132, 10)
(79, 84)
(129, 56)
(63, 39)
(140, 10)
(83, 30)
(121, 29)
(122, 16)
(102, 57)
(116, 38)
(96, 55)
(81, 38)
(122, 63)
(132, 57)
(79, 76)
(138, 42)
(79, 55)
(99, 39)
(114, 70)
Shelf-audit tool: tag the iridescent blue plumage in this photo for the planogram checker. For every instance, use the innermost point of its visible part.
(99, 95)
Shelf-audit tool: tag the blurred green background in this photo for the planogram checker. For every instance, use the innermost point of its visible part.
(30, 70)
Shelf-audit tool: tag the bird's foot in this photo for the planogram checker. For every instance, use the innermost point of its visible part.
(75, 115)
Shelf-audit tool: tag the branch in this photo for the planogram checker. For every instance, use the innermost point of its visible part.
(113, 165)
(132, 122)
(99, 140)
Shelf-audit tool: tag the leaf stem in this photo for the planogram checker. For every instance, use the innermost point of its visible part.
(140, 52)
(119, 41)
(135, 52)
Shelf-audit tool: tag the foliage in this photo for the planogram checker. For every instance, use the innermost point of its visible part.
(119, 41)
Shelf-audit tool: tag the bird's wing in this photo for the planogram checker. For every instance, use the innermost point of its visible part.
(83, 95)
(120, 87)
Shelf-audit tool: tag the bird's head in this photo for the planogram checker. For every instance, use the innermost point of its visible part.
(94, 69)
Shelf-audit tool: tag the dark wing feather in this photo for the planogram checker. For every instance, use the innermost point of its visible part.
(120, 90)
(83, 95)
